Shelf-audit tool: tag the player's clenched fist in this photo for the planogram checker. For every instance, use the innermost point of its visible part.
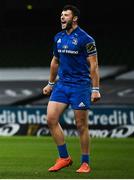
(95, 96)
(47, 90)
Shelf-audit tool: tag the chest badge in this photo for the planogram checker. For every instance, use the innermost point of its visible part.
(75, 41)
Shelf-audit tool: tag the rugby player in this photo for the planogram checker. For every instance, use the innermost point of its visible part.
(75, 62)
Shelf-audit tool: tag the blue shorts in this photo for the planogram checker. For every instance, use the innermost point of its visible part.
(78, 96)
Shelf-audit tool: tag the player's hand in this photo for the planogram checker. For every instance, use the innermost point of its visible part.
(95, 96)
(47, 90)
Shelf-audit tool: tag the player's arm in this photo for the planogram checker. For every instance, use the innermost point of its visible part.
(95, 77)
(53, 69)
(52, 77)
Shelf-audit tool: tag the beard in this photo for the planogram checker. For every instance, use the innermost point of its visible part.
(69, 25)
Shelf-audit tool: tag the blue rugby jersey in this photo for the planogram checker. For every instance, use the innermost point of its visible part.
(72, 51)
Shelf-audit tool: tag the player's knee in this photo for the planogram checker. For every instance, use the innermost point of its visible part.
(51, 120)
(81, 127)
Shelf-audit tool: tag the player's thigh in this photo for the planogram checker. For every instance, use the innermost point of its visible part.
(81, 117)
(55, 109)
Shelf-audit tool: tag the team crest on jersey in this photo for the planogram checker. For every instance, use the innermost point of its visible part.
(75, 41)
(90, 47)
(59, 41)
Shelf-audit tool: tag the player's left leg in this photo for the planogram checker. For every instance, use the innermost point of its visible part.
(80, 101)
(81, 117)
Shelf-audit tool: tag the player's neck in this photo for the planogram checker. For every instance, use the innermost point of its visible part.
(72, 29)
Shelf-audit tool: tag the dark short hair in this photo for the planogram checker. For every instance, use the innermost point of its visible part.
(74, 9)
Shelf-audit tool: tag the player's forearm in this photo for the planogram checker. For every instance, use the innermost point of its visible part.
(94, 70)
(53, 70)
(95, 77)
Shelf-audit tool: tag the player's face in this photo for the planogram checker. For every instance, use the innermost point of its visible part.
(66, 19)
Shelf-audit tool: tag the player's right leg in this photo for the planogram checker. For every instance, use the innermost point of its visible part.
(54, 110)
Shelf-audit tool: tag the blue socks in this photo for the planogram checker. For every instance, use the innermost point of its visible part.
(62, 149)
(85, 158)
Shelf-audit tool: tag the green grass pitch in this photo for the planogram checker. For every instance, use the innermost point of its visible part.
(30, 157)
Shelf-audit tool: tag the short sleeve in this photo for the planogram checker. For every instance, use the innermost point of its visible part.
(89, 46)
(55, 51)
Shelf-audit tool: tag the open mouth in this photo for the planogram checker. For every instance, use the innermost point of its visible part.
(63, 22)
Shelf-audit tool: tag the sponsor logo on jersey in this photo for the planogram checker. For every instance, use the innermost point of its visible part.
(67, 51)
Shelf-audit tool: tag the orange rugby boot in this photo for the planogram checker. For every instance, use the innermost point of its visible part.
(84, 168)
(61, 163)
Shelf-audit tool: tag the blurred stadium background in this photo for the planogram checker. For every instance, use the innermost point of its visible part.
(27, 28)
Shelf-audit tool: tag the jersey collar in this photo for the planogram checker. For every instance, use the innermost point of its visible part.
(74, 31)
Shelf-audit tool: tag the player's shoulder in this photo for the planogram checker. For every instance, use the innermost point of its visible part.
(85, 36)
(59, 35)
